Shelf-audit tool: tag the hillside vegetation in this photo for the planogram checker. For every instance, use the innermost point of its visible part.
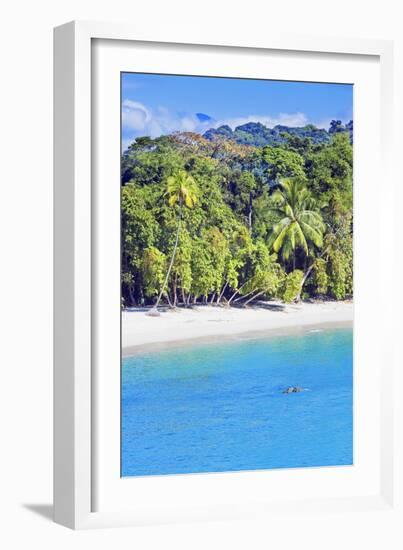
(258, 135)
(236, 216)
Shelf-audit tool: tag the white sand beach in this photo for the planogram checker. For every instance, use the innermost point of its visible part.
(212, 322)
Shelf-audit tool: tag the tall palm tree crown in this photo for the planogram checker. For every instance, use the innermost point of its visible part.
(300, 224)
(181, 189)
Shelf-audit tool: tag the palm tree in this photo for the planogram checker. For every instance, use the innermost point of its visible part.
(181, 190)
(300, 224)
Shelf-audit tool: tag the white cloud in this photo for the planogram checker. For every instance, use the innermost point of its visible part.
(140, 120)
(135, 116)
(325, 123)
(286, 119)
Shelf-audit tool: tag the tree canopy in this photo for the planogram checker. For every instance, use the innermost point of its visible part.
(217, 221)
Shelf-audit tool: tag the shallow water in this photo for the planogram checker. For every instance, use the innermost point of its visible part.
(220, 407)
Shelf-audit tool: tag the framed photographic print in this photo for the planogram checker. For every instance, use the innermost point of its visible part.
(223, 339)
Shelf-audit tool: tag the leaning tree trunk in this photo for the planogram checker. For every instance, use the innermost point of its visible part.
(244, 296)
(253, 297)
(237, 292)
(304, 278)
(308, 272)
(172, 259)
(184, 297)
(222, 293)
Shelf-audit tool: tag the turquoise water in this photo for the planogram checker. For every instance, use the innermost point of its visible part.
(220, 407)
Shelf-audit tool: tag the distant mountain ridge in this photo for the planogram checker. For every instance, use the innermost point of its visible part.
(202, 117)
(258, 135)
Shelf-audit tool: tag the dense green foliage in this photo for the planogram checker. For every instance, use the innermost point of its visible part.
(216, 221)
(259, 135)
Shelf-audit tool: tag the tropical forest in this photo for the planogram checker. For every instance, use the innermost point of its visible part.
(237, 217)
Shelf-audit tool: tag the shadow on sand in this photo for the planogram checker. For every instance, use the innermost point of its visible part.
(270, 306)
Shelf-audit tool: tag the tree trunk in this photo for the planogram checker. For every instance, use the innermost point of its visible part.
(245, 295)
(175, 288)
(212, 298)
(222, 293)
(132, 299)
(253, 297)
(184, 298)
(169, 300)
(236, 292)
(304, 278)
(173, 256)
(308, 272)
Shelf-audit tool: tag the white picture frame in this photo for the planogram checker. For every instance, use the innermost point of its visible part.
(78, 423)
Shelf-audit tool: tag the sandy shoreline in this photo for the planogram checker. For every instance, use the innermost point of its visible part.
(141, 332)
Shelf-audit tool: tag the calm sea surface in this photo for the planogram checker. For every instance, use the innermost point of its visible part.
(220, 407)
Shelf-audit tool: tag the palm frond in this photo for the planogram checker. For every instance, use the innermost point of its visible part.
(278, 234)
(300, 225)
(312, 234)
(300, 239)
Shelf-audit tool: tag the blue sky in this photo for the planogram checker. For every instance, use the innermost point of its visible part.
(154, 105)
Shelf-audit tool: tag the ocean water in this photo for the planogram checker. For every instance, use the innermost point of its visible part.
(220, 407)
